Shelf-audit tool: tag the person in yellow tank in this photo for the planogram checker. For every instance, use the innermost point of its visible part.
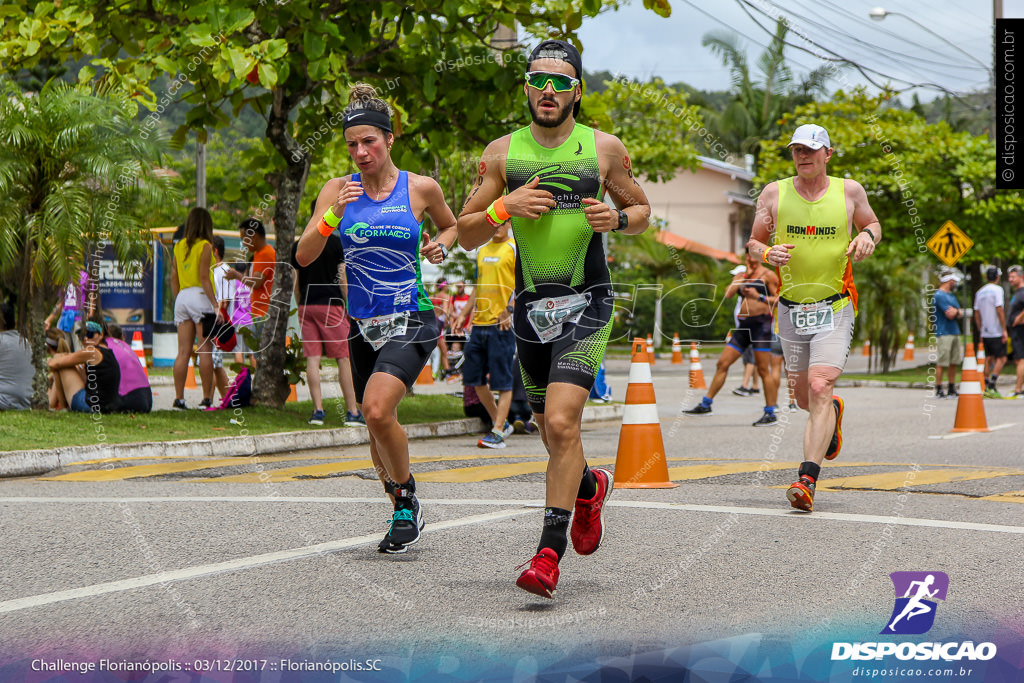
(195, 304)
(811, 228)
(491, 349)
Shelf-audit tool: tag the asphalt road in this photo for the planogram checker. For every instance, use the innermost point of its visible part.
(189, 562)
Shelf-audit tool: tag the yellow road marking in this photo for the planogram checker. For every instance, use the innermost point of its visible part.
(1008, 497)
(890, 481)
(464, 475)
(327, 469)
(705, 471)
(158, 469)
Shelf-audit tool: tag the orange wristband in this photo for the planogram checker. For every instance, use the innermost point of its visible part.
(499, 210)
(324, 228)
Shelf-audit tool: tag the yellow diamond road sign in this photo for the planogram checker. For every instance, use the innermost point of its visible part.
(950, 243)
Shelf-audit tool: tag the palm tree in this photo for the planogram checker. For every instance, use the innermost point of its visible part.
(74, 170)
(661, 265)
(754, 112)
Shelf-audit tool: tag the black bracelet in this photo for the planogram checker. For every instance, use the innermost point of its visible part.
(868, 231)
(623, 221)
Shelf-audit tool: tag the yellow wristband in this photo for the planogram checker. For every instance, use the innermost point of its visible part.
(497, 211)
(330, 218)
(325, 228)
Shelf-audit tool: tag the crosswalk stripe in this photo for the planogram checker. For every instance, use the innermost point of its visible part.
(890, 481)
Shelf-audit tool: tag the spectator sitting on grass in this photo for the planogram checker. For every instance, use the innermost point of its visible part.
(87, 380)
(16, 369)
(134, 389)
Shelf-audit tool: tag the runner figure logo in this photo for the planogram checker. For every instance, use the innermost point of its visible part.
(916, 592)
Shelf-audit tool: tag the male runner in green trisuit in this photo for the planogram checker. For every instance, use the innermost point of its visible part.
(549, 179)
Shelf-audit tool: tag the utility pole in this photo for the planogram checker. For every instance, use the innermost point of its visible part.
(200, 174)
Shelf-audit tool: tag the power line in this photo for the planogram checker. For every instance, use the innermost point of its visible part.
(876, 48)
(864, 71)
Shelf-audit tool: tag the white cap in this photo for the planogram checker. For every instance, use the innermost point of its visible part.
(738, 269)
(810, 135)
(947, 274)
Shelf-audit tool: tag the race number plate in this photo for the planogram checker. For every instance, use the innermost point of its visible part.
(547, 316)
(378, 331)
(810, 319)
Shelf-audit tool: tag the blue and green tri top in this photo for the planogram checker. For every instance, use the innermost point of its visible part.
(381, 240)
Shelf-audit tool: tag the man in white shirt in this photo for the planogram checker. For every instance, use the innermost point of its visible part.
(991, 322)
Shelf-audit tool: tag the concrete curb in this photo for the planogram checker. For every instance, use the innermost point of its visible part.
(35, 462)
(882, 383)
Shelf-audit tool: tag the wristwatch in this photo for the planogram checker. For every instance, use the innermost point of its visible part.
(444, 251)
(623, 221)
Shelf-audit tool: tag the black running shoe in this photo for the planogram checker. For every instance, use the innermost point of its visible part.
(767, 420)
(179, 403)
(939, 393)
(406, 524)
(741, 391)
(699, 409)
(205, 403)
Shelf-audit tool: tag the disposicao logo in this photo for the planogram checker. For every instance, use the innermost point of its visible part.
(913, 614)
(916, 593)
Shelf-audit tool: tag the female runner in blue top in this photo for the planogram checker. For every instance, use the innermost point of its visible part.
(379, 213)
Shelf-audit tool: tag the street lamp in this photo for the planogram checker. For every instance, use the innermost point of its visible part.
(879, 13)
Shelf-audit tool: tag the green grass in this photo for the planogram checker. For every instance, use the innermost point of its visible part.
(921, 373)
(25, 430)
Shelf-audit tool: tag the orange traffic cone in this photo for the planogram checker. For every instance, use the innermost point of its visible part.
(426, 375)
(677, 350)
(190, 376)
(866, 351)
(981, 360)
(696, 373)
(908, 350)
(640, 462)
(970, 409)
(139, 350)
(650, 349)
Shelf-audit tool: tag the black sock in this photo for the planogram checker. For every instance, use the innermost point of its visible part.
(556, 528)
(404, 493)
(952, 388)
(588, 484)
(812, 470)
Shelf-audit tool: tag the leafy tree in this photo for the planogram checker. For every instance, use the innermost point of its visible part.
(891, 303)
(293, 63)
(73, 172)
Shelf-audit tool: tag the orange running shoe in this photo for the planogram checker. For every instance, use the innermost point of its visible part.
(801, 493)
(837, 436)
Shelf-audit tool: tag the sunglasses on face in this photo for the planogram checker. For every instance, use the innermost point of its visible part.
(559, 82)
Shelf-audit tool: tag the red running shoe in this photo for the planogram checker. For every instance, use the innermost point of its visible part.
(801, 493)
(542, 576)
(837, 436)
(588, 520)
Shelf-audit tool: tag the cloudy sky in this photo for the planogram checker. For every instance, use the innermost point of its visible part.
(636, 42)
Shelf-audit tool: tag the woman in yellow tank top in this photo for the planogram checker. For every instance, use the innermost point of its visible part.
(194, 302)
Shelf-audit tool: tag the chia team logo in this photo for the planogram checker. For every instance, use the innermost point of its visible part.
(916, 595)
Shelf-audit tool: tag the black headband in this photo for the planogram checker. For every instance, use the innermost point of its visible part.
(367, 117)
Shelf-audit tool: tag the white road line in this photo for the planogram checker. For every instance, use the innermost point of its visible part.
(529, 504)
(957, 435)
(232, 565)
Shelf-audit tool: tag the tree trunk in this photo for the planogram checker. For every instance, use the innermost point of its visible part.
(270, 384)
(37, 339)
